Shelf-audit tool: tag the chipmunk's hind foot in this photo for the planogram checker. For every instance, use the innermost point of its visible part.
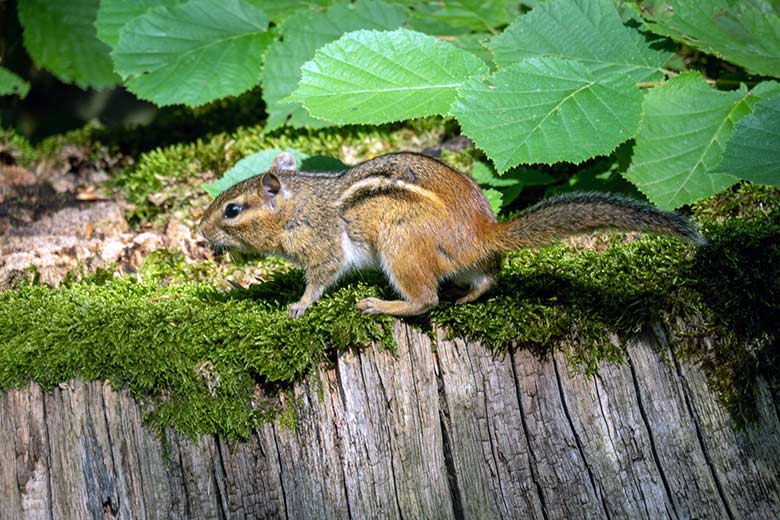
(394, 307)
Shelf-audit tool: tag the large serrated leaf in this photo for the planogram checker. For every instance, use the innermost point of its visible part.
(745, 32)
(193, 53)
(61, 37)
(546, 110)
(302, 34)
(685, 127)
(374, 77)
(10, 83)
(115, 14)
(753, 153)
(589, 31)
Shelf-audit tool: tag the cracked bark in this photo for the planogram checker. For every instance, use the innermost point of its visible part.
(460, 433)
(651, 440)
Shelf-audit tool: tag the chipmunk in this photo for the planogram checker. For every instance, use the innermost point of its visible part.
(413, 217)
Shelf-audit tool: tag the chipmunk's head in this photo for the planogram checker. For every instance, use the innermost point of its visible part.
(246, 217)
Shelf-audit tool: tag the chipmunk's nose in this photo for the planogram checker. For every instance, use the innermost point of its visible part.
(201, 230)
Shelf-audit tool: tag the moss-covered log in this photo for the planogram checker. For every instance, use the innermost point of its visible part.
(455, 432)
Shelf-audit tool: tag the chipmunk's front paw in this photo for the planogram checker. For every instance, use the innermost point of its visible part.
(296, 310)
(370, 306)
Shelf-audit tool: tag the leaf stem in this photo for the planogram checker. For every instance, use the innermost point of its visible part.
(649, 84)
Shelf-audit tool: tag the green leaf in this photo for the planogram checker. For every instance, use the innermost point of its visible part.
(373, 77)
(247, 167)
(302, 34)
(685, 127)
(193, 53)
(462, 16)
(115, 14)
(321, 163)
(279, 10)
(511, 183)
(604, 174)
(260, 162)
(495, 198)
(589, 31)
(61, 37)
(546, 110)
(745, 32)
(476, 44)
(753, 153)
(10, 83)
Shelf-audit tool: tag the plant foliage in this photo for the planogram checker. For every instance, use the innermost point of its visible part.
(538, 110)
(588, 31)
(379, 77)
(61, 37)
(193, 53)
(11, 83)
(754, 151)
(745, 32)
(685, 128)
(115, 14)
(301, 35)
(565, 81)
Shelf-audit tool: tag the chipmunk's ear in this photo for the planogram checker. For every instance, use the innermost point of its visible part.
(283, 162)
(271, 185)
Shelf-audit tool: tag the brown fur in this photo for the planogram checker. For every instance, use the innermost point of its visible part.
(414, 217)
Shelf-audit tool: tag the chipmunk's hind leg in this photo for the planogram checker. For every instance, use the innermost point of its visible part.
(419, 288)
(478, 279)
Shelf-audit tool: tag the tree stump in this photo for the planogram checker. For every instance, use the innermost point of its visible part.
(455, 433)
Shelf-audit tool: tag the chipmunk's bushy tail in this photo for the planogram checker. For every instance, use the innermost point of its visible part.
(576, 213)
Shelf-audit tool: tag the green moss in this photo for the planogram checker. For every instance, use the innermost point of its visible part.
(16, 148)
(168, 266)
(191, 354)
(737, 286)
(561, 296)
(743, 200)
(81, 137)
(287, 418)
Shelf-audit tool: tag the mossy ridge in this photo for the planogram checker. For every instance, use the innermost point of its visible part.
(16, 148)
(558, 296)
(739, 293)
(156, 340)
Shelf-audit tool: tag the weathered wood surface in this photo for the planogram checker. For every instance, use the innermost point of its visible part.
(459, 433)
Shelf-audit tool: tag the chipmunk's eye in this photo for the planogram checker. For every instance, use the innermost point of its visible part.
(232, 210)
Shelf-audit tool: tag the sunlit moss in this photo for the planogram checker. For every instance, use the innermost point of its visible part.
(154, 340)
(17, 149)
